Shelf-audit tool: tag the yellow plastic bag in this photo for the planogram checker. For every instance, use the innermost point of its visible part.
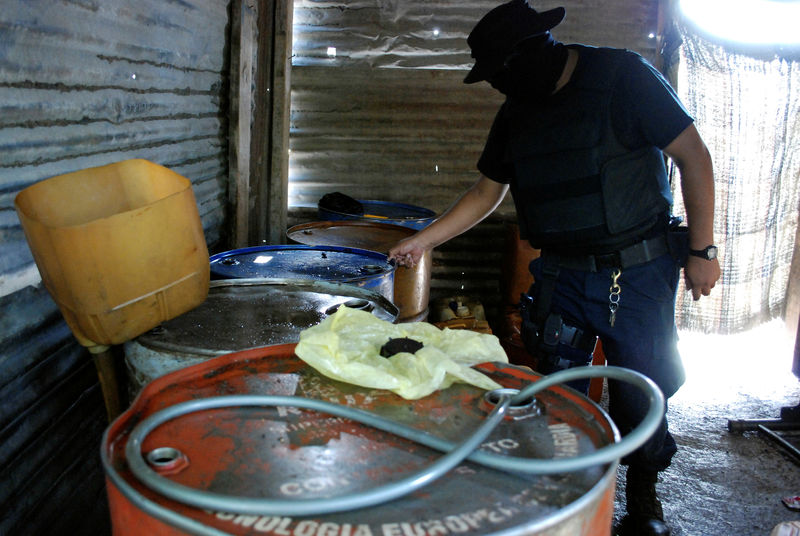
(346, 346)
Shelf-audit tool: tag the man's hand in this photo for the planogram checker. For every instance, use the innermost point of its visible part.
(407, 252)
(700, 275)
(690, 154)
(473, 206)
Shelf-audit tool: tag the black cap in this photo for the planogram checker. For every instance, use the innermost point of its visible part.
(501, 29)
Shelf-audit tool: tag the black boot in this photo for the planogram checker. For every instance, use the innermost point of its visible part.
(645, 516)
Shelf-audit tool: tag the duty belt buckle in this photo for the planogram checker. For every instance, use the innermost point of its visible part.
(609, 260)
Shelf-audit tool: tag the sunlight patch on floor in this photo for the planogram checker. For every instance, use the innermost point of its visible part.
(757, 363)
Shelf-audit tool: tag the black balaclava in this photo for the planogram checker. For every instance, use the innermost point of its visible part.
(532, 69)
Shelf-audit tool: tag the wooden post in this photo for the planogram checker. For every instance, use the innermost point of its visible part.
(242, 50)
(269, 162)
(278, 186)
(105, 363)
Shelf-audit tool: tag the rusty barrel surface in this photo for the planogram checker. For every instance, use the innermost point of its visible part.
(240, 314)
(411, 285)
(517, 256)
(517, 279)
(284, 452)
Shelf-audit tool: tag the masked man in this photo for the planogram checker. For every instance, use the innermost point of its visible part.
(580, 141)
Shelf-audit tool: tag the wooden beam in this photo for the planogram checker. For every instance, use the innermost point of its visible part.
(270, 125)
(662, 21)
(106, 361)
(261, 145)
(243, 18)
(278, 187)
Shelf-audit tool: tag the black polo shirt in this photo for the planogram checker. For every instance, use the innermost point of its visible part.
(645, 111)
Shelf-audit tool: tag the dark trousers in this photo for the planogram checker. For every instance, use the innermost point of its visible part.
(644, 338)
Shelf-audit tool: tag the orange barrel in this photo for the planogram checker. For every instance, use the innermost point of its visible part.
(516, 280)
(289, 453)
(510, 335)
(517, 256)
(240, 314)
(412, 286)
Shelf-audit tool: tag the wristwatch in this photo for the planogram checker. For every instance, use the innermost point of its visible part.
(708, 253)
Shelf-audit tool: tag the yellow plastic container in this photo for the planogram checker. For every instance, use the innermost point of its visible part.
(119, 247)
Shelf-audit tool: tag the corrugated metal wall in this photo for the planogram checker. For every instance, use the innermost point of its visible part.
(86, 83)
(387, 116)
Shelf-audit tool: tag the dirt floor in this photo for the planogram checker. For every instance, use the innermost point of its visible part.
(724, 483)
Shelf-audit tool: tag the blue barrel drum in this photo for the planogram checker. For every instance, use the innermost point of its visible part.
(384, 212)
(363, 268)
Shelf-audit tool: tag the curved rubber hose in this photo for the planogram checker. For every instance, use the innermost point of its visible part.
(456, 453)
(291, 507)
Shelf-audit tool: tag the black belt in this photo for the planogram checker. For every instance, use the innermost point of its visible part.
(638, 253)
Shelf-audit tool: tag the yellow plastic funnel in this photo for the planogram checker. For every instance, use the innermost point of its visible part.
(119, 247)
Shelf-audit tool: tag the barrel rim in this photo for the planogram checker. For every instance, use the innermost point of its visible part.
(387, 269)
(327, 224)
(345, 290)
(302, 247)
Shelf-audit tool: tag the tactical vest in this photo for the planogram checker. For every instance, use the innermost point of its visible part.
(575, 185)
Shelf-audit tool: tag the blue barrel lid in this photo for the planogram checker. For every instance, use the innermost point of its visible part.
(386, 212)
(323, 263)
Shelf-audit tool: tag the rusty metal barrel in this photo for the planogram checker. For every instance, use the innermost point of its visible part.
(517, 279)
(290, 453)
(411, 285)
(240, 314)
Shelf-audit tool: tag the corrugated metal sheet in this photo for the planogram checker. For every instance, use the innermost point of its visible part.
(89, 83)
(409, 136)
(432, 34)
(82, 84)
